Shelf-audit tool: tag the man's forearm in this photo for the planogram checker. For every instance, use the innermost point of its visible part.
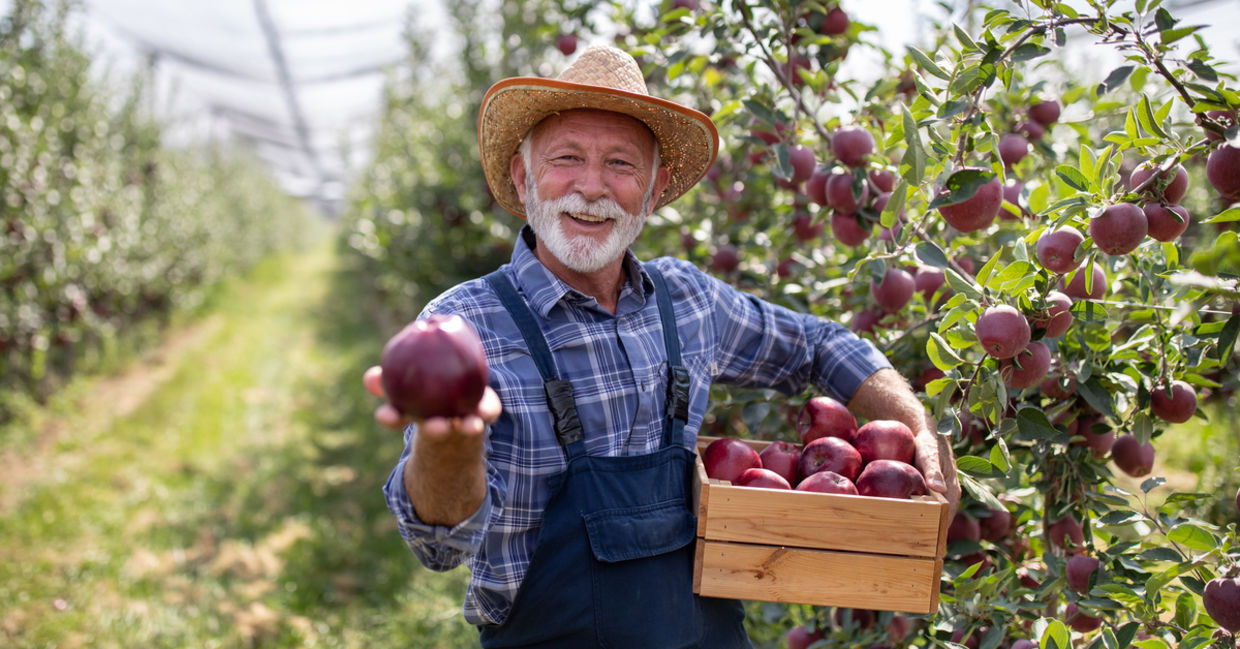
(446, 481)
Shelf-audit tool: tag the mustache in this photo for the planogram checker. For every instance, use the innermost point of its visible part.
(603, 208)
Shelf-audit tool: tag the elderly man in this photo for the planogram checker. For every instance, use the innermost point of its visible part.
(568, 492)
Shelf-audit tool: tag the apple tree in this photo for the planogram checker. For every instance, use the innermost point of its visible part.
(1052, 262)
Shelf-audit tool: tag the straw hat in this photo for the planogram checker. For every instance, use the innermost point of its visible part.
(602, 78)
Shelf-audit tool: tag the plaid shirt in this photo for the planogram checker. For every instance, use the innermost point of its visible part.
(618, 369)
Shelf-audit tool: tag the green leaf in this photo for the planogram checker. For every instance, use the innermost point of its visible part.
(978, 491)
(913, 164)
(1194, 536)
(927, 64)
(1097, 397)
(1227, 338)
(975, 465)
(895, 204)
(1170, 36)
(940, 353)
(961, 186)
(1033, 424)
(962, 285)
(1072, 177)
(1028, 51)
(761, 111)
(1185, 610)
(783, 166)
(964, 38)
(1202, 70)
(1150, 484)
(930, 254)
(1117, 77)
(1156, 581)
(1163, 19)
(1054, 636)
(1160, 554)
(1226, 216)
(999, 456)
(1146, 116)
(1115, 518)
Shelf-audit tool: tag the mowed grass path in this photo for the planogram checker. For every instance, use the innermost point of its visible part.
(224, 491)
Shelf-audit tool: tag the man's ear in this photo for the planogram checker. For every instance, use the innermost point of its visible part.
(661, 178)
(516, 169)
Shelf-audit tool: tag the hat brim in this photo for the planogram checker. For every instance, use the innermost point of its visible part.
(688, 139)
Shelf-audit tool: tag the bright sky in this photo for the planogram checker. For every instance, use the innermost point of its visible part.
(216, 75)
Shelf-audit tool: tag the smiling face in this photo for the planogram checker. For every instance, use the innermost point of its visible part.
(588, 179)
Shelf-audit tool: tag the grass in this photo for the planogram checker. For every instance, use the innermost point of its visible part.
(224, 492)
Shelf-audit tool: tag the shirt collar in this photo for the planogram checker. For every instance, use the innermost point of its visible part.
(543, 290)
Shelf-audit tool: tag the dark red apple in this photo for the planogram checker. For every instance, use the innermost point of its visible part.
(851, 145)
(1078, 620)
(1013, 148)
(823, 416)
(805, 229)
(976, 212)
(963, 528)
(781, 457)
(1132, 457)
(727, 458)
(801, 637)
(1031, 129)
(1176, 407)
(1003, 331)
(802, 160)
(898, 628)
(725, 260)
(435, 367)
(1075, 284)
(995, 525)
(894, 291)
(1045, 112)
(865, 320)
(890, 479)
(1095, 434)
(1024, 643)
(928, 280)
(1223, 169)
(829, 454)
(883, 180)
(1169, 188)
(970, 639)
(1078, 570)
(1066, 533)
(1058, 317)
(847, 229)
(1056, 249)
(1166, 223)
(861, 618)
(1027, 368)
(840, 194)
(566, 43)
(885, 439)
(835, 23)
(827, 482)
(816, 186)
(1222, 601)
(1119, 229)
(759, 477)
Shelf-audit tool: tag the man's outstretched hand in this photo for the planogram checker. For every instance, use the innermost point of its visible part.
(388, 416)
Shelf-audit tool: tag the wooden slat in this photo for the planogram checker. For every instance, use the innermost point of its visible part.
(817, 577)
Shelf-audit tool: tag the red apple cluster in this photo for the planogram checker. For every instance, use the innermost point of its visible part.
(834, 456)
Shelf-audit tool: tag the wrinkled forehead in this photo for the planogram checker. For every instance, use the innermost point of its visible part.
(589, 121)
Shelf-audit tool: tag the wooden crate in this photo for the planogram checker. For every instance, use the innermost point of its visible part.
(812, 548)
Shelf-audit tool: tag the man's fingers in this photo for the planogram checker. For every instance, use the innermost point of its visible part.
(489, 408)
(389, 417)
(373, 380)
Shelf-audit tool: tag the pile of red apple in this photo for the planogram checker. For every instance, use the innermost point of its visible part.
(834, 456)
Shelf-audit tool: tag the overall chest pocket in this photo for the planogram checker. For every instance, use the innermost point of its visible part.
(628, 533)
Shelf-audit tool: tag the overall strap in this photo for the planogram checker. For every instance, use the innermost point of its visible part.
(677, 405)
(559, 391)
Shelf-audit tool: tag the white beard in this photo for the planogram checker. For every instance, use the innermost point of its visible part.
(581, 254)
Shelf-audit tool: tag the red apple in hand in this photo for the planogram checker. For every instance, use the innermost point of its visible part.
(765, 478)
(885, 439)
(727, 458)
(890, 479)
(829, 454)
(781, 457)
(435, 367)
(828, 482)
(823, 416)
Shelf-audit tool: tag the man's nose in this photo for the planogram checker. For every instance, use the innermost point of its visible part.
(591, 183)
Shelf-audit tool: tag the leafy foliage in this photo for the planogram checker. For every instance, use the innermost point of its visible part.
(940, 114)
(105, 228)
